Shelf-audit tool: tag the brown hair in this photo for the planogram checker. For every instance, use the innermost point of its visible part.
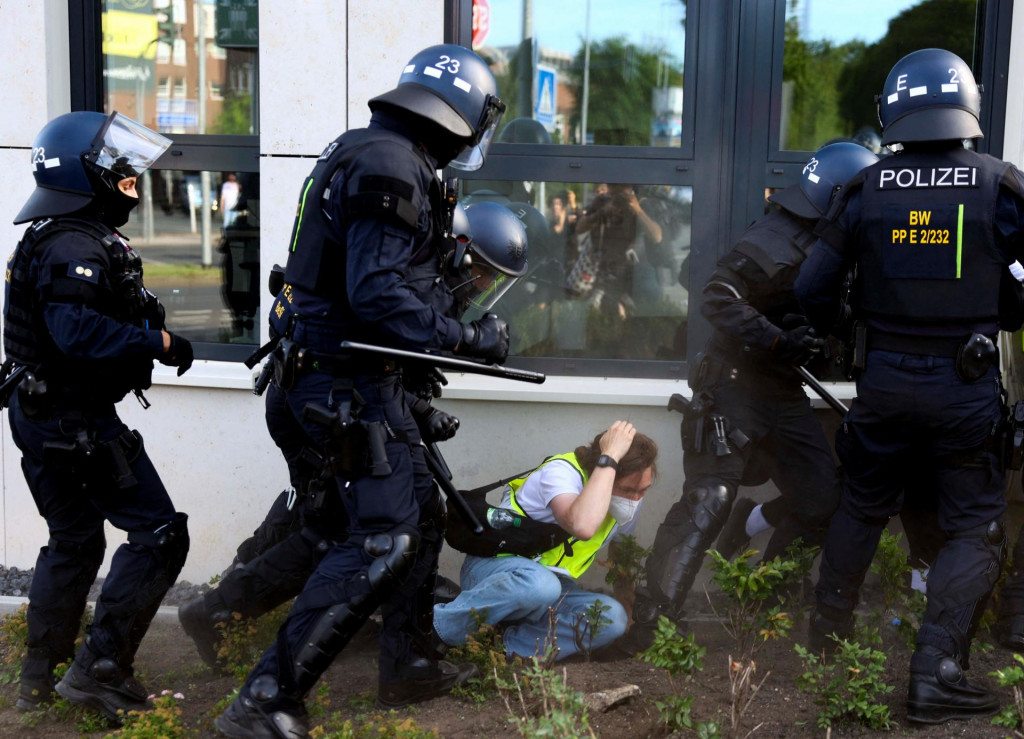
(643, 453)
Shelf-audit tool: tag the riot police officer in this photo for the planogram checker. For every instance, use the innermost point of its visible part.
(930, 231)
(369, 222)
(79, 319)
(489, 246)
(750, 412)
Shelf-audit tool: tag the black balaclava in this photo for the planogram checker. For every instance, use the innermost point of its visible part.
(112, 206)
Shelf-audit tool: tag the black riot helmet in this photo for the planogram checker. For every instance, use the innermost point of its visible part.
(75, 149)
(929, 95)
(494, 252)
(831, 167)
(454, 88)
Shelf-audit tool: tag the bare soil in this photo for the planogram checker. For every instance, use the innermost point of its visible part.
(168, 661)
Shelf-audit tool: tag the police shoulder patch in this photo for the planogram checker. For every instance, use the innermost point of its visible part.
(83, 271)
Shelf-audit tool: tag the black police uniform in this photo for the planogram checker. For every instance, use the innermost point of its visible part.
(369, 224)
(747, 379)
(931, 232)
(78, 316)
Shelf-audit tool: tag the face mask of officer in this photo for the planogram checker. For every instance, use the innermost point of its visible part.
(118, 204)
(115, 197)
(623, 509)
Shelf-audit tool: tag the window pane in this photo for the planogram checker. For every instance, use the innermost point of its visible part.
(205, 270)
(608, 268)
(837, 56)
(151, 53)
(591, 71)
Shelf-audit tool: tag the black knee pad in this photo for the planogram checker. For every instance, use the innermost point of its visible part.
(169, 542)
(710, 506)
(394, 556)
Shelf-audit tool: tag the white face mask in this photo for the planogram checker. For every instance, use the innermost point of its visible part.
(623, 509)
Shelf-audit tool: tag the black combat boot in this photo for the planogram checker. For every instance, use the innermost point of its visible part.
(200, 619)
(1010, 633)
(421, 680)
(822, 628)
(261, 712)
(940, 691)
(100, 683)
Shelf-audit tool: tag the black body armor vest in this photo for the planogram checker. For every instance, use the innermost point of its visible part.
(384, 176)
(927, 252)
(122, 296)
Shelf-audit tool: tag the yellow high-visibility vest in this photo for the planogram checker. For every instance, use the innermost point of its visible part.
(575, 555)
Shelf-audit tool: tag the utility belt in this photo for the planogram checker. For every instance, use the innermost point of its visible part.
(352, 448)
(730, 360)
(974, 355)
(89, 460)
(288, 361)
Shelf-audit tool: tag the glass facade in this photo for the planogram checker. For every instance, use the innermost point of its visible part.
(831, 69)
(608, 268)
(188, 69)
(601, 96)
(592, 72)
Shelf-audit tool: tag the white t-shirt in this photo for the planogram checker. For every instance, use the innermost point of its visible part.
(557, 477)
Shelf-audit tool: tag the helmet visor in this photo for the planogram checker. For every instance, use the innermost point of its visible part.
(488, 285)
(472, 157)
(126, 147)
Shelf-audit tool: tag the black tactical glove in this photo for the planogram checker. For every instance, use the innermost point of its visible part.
(437, 425)
(179, 355)
(798, 345)
(486, 338)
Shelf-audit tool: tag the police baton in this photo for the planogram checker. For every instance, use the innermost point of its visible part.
(448, 363)
(443, 476)
(823, 393)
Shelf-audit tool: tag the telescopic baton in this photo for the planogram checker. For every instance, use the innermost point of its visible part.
(439, 469)
(823, 393)
(449, 363)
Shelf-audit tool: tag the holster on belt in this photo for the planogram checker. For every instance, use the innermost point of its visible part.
(92, 460)
(975, 357)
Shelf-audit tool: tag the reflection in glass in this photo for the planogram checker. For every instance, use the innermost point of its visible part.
(608, 270)
(152, 70)
(837, 57)
(218, 302)
(591, 71)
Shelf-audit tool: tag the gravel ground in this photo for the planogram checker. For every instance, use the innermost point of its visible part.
(16, 582)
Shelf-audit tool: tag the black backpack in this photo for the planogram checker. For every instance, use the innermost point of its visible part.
(505, 531)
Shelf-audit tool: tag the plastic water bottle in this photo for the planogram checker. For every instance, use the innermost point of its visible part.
(500, 518)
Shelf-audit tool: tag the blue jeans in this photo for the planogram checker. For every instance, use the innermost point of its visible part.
(518, 592)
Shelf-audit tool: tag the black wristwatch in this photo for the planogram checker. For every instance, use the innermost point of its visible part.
(605, 461)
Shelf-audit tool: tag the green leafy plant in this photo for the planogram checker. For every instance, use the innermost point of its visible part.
(847, 685)
(679, 656)
(162, 722)
(372, 726)
(625, 563)
(485, 649)
(903, 606)
(1012, 716)
(588, 625)
(13, 644)
(245, 639)
(542, 704)
(756, 595)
